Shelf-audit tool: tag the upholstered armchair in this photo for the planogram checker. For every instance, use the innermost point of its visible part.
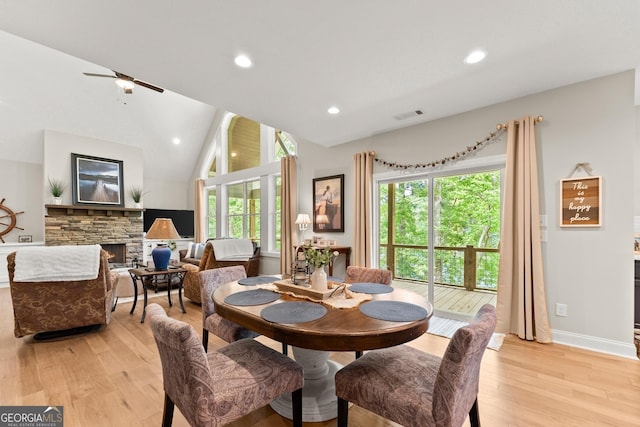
(208, 261)
(213, 389)
(357, 274)
(46, 306)
(411, 387)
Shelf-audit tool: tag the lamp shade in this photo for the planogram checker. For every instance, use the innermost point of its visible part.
(162, 229)
(303, 221)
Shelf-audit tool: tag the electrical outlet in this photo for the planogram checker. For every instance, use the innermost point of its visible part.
(561, 310)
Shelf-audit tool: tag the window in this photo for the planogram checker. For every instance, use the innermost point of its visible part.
(243, 176)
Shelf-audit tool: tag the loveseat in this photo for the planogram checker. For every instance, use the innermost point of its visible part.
(46, 306)
(208, 261)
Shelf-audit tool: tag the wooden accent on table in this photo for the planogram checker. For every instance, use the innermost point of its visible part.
(114, 377)
(90, 210)
(338, 330)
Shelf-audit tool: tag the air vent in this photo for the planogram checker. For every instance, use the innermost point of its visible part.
(407, 115)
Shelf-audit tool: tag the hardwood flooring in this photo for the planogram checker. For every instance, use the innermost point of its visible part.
(113, 378)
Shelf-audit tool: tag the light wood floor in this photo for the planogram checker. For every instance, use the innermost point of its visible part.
(113, 378)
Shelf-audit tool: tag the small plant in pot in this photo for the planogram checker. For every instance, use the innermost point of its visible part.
(136, 194)
(57, 187)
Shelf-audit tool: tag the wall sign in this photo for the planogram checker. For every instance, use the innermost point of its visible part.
(580, 202)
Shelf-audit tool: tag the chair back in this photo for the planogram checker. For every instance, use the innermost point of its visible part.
(369, 275)
(210, 280)
(456, 386)
(185, 370)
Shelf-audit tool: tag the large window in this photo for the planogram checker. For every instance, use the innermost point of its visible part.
(244, 182)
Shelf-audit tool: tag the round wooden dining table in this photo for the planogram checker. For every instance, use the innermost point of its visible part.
(344, 329)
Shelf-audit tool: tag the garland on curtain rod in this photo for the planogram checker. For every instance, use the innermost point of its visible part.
(500, 128)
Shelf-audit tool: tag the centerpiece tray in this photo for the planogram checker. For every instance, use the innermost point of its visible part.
(287, 286)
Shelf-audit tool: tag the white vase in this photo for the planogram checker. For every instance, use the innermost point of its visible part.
(57, 200)
(137, 205)
(319, 279)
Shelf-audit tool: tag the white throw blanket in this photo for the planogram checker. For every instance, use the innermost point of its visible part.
(232, 249)
(57, 263)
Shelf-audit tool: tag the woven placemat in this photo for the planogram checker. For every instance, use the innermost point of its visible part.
(257, 280)
(293, 312)
(393, 311)
(370, 288)
(252, 297)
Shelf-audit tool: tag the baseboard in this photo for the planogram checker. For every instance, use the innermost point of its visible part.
(601, 345)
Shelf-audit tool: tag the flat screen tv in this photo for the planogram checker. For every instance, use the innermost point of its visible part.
(182, 219)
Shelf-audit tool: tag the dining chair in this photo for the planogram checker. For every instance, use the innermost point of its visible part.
(355, 274)
(411, 387)
(210, 280)
(219, 387)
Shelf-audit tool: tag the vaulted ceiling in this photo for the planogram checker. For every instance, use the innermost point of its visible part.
(374, 59)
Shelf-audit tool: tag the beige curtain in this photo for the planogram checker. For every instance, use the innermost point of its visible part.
(288, 210)
(200, 214)
(521, 303)
(363, 195)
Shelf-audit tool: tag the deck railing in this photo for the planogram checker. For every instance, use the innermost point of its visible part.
(468, 266)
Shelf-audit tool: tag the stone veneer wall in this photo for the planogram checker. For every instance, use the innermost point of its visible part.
(66, 225)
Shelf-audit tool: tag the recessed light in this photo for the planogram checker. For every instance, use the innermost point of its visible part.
(176, 141)
(475, 57)
(243, 61)
(333, 110)
(233, 154)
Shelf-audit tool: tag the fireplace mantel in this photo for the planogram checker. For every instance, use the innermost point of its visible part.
(88, 210)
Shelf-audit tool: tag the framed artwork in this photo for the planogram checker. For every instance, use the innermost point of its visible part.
(581, 202)
(96, 181)
(328, 211)
(636, 244)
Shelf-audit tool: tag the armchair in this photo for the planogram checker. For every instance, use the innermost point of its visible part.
(48, 306)
(208, 261)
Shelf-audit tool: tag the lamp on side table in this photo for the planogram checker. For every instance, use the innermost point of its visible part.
(162, 229)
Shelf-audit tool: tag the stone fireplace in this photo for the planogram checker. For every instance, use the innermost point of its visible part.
(121, 228)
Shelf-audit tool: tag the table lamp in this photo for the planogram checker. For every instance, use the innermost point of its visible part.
(303, 222)
(162, 229)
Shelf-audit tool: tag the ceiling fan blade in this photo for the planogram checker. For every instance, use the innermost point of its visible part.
(98, 75)
(148, 86)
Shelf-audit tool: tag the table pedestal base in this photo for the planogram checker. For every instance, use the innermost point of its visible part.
(319, 401)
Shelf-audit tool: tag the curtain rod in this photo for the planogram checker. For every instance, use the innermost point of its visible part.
(501, 126)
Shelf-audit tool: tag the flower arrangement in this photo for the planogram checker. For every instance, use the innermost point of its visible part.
(318, 257)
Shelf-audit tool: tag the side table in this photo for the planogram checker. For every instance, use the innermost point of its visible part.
(146, 276)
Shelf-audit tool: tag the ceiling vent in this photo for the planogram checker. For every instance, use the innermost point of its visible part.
(407, 115)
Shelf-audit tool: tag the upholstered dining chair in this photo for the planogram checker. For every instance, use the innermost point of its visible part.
(411, 387)
(355, 274)
(219, 387)
(210, 280)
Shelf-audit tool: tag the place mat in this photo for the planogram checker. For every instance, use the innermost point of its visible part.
(252, 297)
(335, 279)
(393, 311)
(257, 280)
(370, 288)
(293, 312)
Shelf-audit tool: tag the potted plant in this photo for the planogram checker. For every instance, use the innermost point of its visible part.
(57, 187)
(136, 193)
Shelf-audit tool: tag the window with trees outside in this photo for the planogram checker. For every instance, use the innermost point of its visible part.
(442, 232)
(244, 182)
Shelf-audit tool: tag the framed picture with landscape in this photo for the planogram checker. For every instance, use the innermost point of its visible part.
(328, 210)
(96, 181)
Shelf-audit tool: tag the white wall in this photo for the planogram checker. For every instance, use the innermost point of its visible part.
(21, 187)
(589, 269)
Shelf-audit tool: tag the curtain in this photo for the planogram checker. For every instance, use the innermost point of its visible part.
(200, 214)
(288, 209)
(363, 196)
(521, 302)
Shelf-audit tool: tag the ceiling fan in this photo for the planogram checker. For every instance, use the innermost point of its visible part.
(127, 83)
